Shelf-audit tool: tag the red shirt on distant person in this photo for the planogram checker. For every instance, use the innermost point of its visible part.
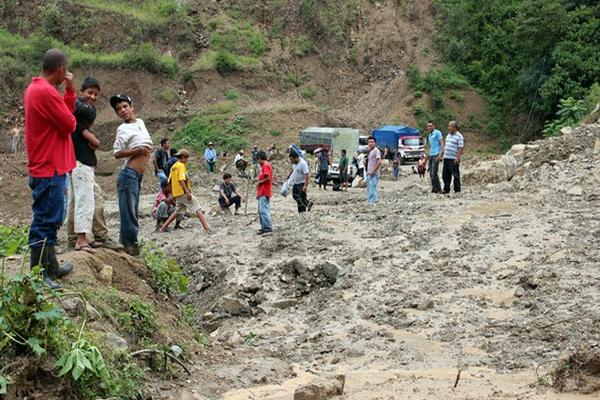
(49, 123)
(266, 188)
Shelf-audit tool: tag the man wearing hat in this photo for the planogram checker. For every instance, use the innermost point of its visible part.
(181, 189)
(133, 143)
(210, 156)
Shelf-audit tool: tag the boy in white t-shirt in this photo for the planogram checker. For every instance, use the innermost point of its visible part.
(134, 144)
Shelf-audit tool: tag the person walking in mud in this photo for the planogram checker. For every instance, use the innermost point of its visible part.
(49, 123)
(133, 143)
(435, 143)
(373, 167)
(453, 151)
(299, 179)
(264, 192)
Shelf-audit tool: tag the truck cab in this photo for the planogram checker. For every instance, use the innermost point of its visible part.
(410, 148)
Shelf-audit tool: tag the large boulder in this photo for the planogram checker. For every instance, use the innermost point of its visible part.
(321, 388)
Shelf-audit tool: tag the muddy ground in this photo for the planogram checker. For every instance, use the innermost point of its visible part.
(498, 282)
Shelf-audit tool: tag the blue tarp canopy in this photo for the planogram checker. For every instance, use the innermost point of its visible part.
(388, 135)
(400, 130)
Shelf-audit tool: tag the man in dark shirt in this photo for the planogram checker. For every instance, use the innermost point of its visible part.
(229, 194)
(88, 95)
(161, 159)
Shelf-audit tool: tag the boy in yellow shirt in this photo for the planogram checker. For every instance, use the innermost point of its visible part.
(181, 191)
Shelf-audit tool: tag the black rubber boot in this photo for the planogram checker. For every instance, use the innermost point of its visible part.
(39, 256)
(54, 268)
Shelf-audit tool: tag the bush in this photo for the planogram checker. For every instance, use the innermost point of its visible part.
(216, 124)
(226, 62)
(167, 274)
(276, 133)
(304, 46)
(308, 92)
(231, 94)
(147, 57)
(13, 240)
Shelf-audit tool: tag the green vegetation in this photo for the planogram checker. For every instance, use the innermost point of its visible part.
(570, 112)
(138, 319)
(329, 21)
(231, 94)
(304, 46)
(234, 46)
(34, 328)
(20, 57)
(167, 95)
(438, 84)
(167, 274)
(276, 133)
(148, 10)
(526, 56)
(217, 124)
(308, 92)
(13, 240)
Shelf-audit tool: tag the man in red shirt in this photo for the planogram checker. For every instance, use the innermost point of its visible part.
(49, 123)
(264, 190)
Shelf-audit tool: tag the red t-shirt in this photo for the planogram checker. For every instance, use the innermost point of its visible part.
(49, 123)
(265, 189)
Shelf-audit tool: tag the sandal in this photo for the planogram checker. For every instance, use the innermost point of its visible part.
(86, 248)
(95, 244)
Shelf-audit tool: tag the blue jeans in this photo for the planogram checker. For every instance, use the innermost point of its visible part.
(264, 213)
(48, 209)
(162, 177)
(129, 184)
(372, 182)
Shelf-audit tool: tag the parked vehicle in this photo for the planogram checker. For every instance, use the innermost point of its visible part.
(402, 140)
(332, 140)
(362, 144)
(410, 148)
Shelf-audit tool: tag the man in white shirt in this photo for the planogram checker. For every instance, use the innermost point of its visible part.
(298, 179)
(240, 162)
(134, 144)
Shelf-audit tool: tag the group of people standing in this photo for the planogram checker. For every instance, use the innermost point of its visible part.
(449, 152)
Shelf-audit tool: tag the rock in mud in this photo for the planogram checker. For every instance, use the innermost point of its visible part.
(284, 303)
(105, 275)
(116, 342)
(321, 388)
(235, 306)
(331, 271)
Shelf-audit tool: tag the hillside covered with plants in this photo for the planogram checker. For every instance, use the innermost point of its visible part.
(537, 61)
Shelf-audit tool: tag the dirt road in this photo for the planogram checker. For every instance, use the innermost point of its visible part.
(494, 282)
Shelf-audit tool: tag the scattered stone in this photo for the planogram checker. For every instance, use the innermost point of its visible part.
(520, 292)
(116, 342)
(331, 271)
(176, 350)
(576, 190)
(284, 303)
(425, 305)
(235, 306)
(105, 275)
(321, 388)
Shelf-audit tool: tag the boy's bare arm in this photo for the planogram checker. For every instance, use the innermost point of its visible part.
(92, 140)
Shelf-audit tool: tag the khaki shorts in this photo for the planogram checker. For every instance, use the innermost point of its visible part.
(182, 204)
